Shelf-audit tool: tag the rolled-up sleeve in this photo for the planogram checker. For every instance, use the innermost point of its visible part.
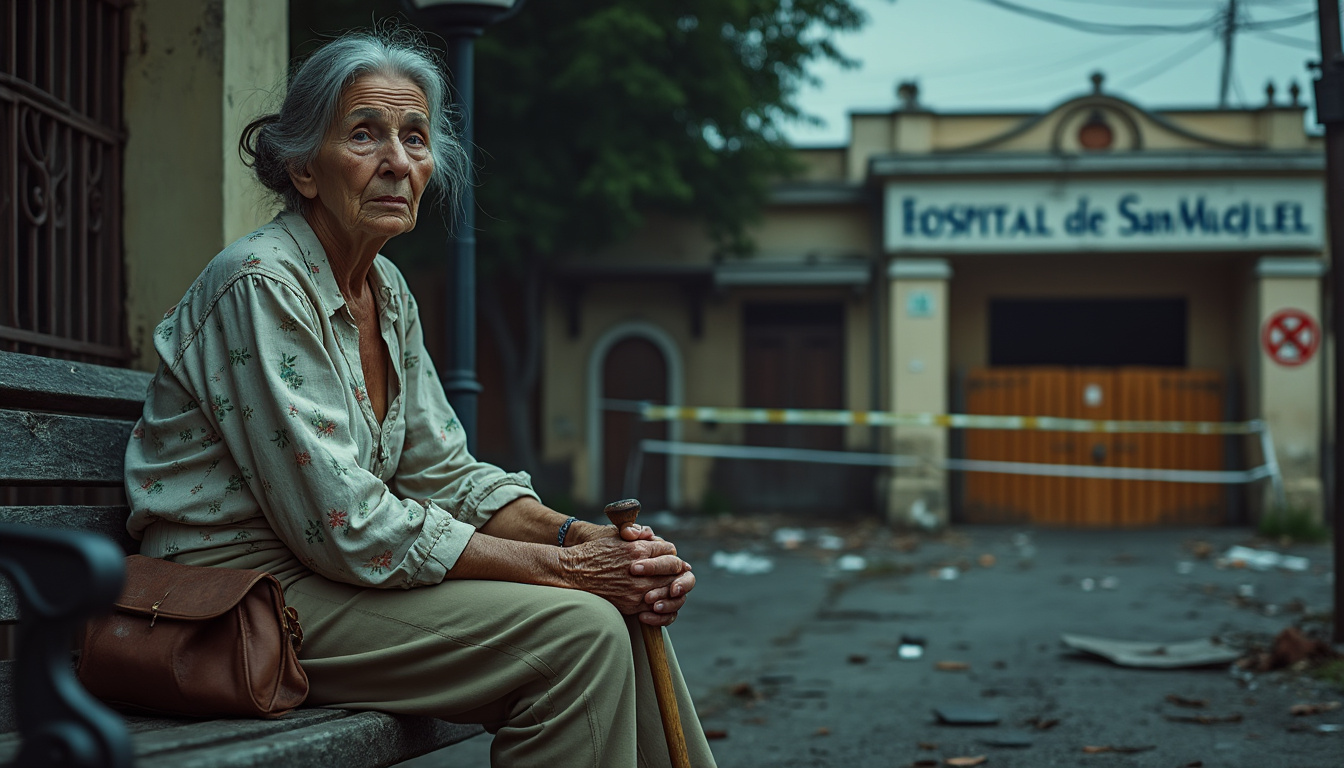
(339, 518)
(435, 464)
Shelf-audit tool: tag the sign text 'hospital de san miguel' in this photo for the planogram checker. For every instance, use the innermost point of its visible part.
(1215, 214)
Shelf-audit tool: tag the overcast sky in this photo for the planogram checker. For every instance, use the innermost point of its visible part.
(973, 55)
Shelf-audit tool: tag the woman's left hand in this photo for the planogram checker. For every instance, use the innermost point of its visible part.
(664, 602)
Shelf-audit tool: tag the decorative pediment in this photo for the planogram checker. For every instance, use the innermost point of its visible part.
(1100, 122)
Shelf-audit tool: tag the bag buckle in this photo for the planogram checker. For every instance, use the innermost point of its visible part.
(154, 609)
(291, 617)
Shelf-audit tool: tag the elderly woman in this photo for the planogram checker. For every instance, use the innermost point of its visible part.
(295, 425)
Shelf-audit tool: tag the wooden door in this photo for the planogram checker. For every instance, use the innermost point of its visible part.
(634, 369)
(1094, 393)
(794, 358)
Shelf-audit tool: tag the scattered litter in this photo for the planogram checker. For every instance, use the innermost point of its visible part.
(1185, 567)
(946, 573)
(1007, 739)
(1097, 750)
(715, 733)
(1182, 701)
(1110, 582)
(1261, 560)
(830, 541)
(1290, 648)
(910, 647)
(961, 762)
(951, 666)
(1314, 708)
(1202, 550)
(790, 538)
(987, 560)
(921, 515)
(1235, 717)
(857, 658)
(744, 563)
(966, 714)
(851, 563)
(822, 731)
(1131, 653)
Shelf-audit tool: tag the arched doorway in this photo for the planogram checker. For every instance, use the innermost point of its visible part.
(634, 369)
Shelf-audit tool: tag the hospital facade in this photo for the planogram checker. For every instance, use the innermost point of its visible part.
(1096, 260)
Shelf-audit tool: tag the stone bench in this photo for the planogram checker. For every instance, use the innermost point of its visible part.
(65, 424)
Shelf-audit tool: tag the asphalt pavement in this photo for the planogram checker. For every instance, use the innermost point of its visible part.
(812, 645)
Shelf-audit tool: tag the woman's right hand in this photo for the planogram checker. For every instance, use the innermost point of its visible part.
(602, 566)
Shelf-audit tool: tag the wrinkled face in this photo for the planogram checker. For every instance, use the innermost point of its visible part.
(374, 162)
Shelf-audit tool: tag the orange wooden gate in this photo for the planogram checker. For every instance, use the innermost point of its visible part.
(1094, 393)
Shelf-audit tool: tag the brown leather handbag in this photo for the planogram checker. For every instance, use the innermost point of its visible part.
(189, 640)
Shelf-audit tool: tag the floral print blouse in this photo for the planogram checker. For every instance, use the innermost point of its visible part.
(257, 426)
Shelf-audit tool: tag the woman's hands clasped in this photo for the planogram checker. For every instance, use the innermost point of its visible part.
(635, 570)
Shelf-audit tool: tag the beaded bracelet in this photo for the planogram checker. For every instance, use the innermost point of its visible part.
(564, 531)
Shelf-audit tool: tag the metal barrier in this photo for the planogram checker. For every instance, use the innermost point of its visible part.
(649, 412)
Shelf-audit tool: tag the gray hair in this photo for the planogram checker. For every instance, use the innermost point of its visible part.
(273, 144)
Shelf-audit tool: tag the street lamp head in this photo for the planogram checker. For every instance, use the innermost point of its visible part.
(472, 15)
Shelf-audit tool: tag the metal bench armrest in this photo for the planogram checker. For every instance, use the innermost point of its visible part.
(61, 578)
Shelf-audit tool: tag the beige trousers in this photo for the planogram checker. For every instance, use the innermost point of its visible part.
(559, 676)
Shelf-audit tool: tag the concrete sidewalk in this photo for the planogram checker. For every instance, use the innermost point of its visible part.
(799, 666)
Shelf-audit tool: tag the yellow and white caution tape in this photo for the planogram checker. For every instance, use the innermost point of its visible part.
(813, 456)
(953, 420)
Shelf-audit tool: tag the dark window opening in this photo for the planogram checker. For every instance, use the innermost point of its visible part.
(1079, 332)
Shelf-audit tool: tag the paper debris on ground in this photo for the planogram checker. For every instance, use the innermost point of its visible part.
(1262, 560)
(851, 563)
(790, 538)
(1137, 653)
(910, 647)
(742, 562)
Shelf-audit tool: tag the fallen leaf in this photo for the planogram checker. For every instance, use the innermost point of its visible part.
(928, 745)
(822, 731)
(1043, 723)
(967, 761)
(1235, 717)
(1095, 750)
(1182, 701)
(713, 734)
(951, 666)
(1314, 708)
(857, 658)
(745, 691)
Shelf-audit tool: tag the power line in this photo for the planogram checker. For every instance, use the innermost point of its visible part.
(1289, 40)
(1102, 28)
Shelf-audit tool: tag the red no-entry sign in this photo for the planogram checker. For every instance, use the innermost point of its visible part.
(1290, 336)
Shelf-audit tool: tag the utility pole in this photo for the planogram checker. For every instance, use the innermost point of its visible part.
(1330, 113)
(1229, 36)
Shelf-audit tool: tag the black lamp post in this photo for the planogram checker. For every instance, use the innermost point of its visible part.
(461, 22)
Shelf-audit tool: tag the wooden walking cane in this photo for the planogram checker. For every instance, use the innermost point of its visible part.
(623, 514)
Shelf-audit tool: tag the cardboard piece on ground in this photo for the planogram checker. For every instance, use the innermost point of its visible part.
(1133, 653)
(966, 714)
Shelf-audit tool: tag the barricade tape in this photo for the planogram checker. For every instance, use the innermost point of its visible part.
(815, 456)
(953, 420)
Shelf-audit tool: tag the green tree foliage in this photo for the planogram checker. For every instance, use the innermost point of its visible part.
(590, 113)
